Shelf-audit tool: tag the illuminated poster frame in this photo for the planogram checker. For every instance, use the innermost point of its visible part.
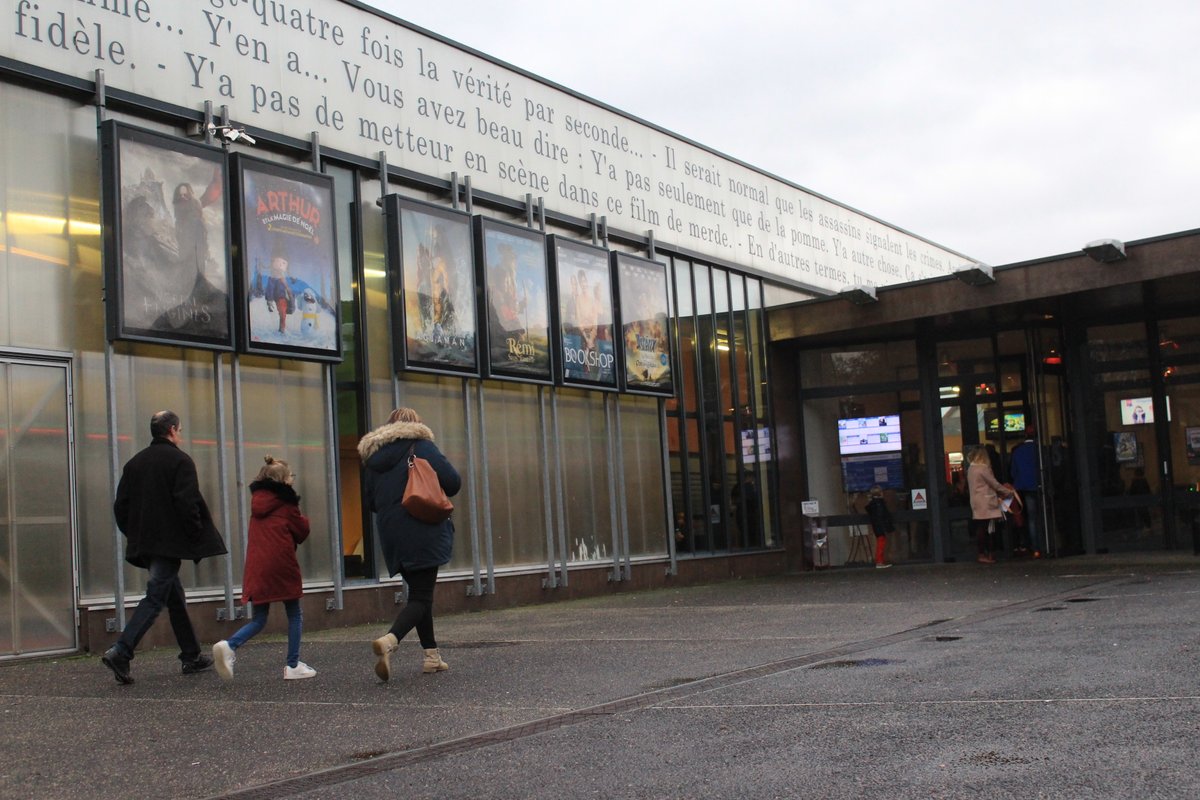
(166, 230)
(515, 312)
(584, 315)
(645, 313)
(431, 261)
(288, 292)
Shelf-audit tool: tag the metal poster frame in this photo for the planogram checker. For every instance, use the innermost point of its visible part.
(434, 329)
(288, 298)
(514, 280)
(584, 342)
(167, 265)
(646, 344)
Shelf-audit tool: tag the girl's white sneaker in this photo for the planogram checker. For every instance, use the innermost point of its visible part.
(224, 659)
(298, 672)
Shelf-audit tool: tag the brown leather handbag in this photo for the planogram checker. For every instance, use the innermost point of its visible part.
(423, 496)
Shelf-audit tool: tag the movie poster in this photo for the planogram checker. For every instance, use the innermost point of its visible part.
(517, 300)
(167, 239)
(645, 325)
(290, 291)
(583, 279)
(436, 272)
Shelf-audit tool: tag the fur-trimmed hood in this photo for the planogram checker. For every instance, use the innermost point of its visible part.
(370, 444)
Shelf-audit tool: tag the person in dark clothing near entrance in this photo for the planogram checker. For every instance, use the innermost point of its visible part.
(165, 520)
(1026, 479)
(881, 525)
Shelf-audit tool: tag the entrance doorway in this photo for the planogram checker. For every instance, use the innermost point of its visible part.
(37, 585)
(991, 391)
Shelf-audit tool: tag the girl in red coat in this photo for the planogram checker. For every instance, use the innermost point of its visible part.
(272, 572)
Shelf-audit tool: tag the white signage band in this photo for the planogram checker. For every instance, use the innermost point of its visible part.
(366, 83)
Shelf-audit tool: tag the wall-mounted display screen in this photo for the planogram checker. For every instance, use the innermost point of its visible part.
(756, 445)
(880, 434)
(1013, 421)
(1136, 410)
(860, 473)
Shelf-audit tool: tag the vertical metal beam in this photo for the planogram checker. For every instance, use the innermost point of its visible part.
(623, 499)
(476, 588)
(454, 190)
(614, 527)
(551, 580)
(110, 400)
(528, 210)
(332, 486)
(239, 449)
(486, 489)
(223, 483)
(665, 454)
(560, 488)
(469, 200)
(315, 143)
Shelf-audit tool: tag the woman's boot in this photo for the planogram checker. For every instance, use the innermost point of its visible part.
(433, 661)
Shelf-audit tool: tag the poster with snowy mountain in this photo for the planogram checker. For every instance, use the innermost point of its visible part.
(289, 300)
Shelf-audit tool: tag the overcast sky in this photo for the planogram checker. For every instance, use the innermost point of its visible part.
(1003, 130)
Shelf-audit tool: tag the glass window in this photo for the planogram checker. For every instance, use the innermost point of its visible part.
(643, 485)
(515, 445)
(849, 366)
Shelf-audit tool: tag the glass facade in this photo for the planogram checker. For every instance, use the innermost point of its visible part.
(556, 478)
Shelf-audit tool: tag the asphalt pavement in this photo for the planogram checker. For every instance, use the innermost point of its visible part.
(1071, 678)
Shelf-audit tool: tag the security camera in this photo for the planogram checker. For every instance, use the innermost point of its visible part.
(237, 134)
(229, 134)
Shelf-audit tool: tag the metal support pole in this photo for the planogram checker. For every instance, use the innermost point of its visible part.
(614, 527)
(486, 490)
(551, 579)
(110, 402)
(468, 199)
(560, 489)
(476, 587)
(331, 488)
(223, 483)
(623, 499)
(528, 210)
(664, 445)
(239, 448)
(454, 190)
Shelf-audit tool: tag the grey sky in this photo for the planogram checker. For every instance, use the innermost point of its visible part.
(1006, 131)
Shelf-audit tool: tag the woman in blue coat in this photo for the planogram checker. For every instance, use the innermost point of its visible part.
(411, 548)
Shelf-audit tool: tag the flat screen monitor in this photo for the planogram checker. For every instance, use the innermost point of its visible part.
(879, 434)
(1014, 423)
(756, 445)
(1136, 410)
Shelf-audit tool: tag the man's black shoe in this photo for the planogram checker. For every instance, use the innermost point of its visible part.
(118, 662)
(198, 664)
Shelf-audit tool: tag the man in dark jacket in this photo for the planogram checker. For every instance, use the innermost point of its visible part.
(165, 520)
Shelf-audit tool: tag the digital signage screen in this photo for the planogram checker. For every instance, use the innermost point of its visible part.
(878, 434)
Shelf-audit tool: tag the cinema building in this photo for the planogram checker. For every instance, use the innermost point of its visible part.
(283, 223)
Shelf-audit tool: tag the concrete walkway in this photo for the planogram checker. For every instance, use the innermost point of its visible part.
(1059, 679)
